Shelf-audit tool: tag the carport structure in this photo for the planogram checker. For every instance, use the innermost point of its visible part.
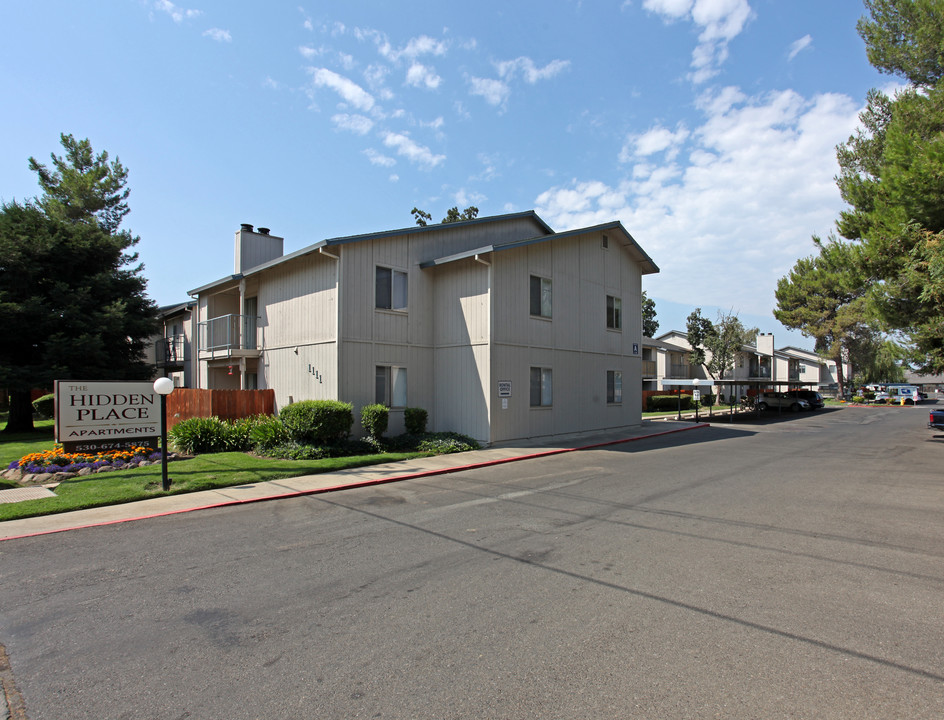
(732, 388)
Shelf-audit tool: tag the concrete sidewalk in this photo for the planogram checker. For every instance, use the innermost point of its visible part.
(329, 482)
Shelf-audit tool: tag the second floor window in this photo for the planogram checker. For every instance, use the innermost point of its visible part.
(614, 313)
(390, 289)
(540, 296)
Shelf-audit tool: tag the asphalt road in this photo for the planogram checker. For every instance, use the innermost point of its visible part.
(789, 569)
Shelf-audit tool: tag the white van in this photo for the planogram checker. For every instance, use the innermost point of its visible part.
(894, 394)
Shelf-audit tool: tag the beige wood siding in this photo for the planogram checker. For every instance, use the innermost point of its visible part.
(460, 300)
(574, 344)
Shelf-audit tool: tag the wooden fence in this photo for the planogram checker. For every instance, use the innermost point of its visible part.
(186, 403)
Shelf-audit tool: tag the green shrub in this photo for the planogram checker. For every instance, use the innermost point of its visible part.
(669, 402)
(45, 405)
(294, 451)
(444, 443)
(239, 432)
(415, 420)
(858, 398)
(199, 435)
(268, 431)
(374, 418)
(317, 422)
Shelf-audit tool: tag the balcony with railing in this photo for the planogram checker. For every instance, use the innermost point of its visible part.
(759, 371)
(649, 368)
(229, 336)
(680, 371)
(171, 351)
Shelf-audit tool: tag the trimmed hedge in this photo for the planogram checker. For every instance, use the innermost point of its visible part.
(375, 418)
(45, 405)
(317, 422)
(669, 402)
(415, 420)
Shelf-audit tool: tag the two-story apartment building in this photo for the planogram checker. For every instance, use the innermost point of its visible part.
(499, 327)
(171, 352)
(756, 366)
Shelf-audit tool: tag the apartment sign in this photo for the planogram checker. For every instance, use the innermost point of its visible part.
(93, 416)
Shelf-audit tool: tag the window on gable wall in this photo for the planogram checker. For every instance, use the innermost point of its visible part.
(390, 291)
(390, 386)
(541, 387)
(614, 313)
(614, 387)
(540, 296)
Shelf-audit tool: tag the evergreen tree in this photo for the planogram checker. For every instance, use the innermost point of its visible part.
(892, 176)
(83, 187)
(824, 297)
(72, 297)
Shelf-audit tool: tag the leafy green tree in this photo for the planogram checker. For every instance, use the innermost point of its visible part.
(716, 345)
(421, 217)
(892, 176)
(906, 38)
(824, 297)
(650, 325)
(82, 186)
(452, 215)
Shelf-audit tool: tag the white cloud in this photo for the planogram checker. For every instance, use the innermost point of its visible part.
(380, 159)
(495, 92)
(308, 52)
(656, 140)
(411, 150)
(358, 124)
(421, 76)
(218, 35)
(423, 45)
(525, 67)
(177, 14)
(720, 21)
(799, 46)
(349, 90)
(731, 217)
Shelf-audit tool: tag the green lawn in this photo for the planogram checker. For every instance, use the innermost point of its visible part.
(13, 447)
(204, 472)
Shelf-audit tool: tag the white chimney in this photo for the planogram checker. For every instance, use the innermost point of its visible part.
(255, 248)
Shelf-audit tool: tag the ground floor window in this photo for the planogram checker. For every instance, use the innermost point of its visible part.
(390, 386)
(614, 387)
(541, 387)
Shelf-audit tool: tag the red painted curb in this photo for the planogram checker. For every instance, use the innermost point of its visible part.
(361, 484)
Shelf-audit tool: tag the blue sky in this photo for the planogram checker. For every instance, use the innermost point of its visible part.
(707, 127)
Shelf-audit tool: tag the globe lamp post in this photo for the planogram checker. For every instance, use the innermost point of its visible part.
(696, 397)
(164, 386)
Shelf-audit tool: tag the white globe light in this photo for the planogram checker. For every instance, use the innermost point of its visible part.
(164, 386)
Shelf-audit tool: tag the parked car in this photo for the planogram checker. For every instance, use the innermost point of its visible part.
(777, 400)
(936, 420)
(814, 399)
